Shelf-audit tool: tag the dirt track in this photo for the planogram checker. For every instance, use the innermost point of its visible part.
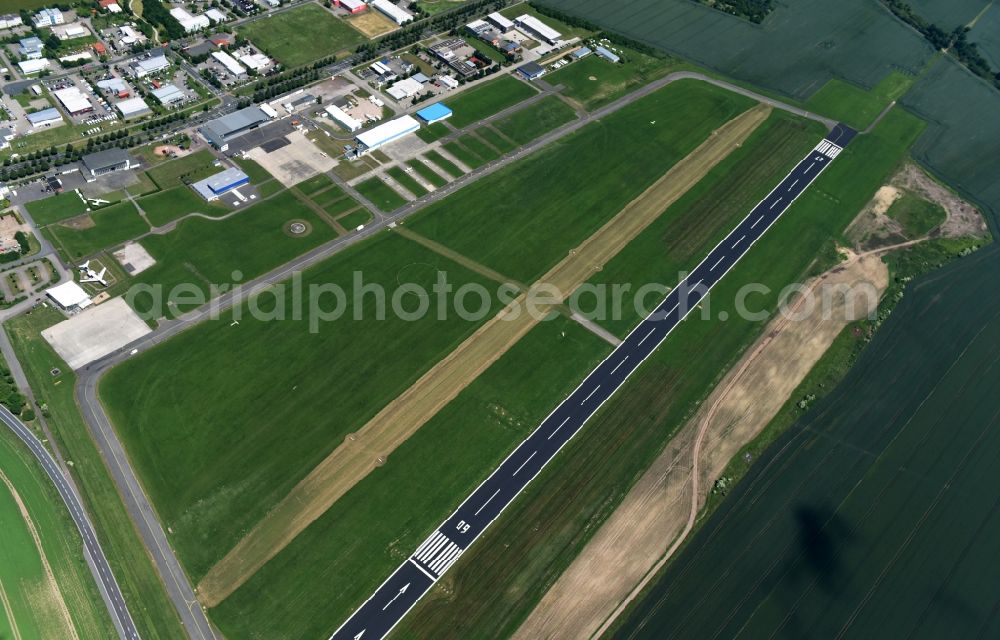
(368, 448)
(661, 509)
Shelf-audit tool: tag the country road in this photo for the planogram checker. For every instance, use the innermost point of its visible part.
(178, 586)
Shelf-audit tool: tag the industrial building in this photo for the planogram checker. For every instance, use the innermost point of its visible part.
(45, 118)
(150, 65)
(537, 28)
(607, 54)
(581, 53)
(133, 108)
(30, 48)
(502, 23)
(69, 296)
(342, 118)
(352, 6)
(190, 22)
(434, 113)
(220, 131)
(458, 55)
(406, 88)
(234, 68)
(168, 94)
(73, 101)
(107, 161)
(31, 67)
(213, 187)
(397, 14)
(70, 31)
(386, 133)
(256, 61)
(48, 18)
(531, 70)
(10, 20)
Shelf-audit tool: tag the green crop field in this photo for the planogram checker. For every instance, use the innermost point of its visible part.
(986, 35)
(536, 120)
(248, 429)
(133, 568)
(487, 99)
(282, 35)
(916, 215)
(382, 195)
(409, 183)
(31, 609)
(56, 208)
(110, 226)
(496, 583)
(428, 174)
(545, 205)
(594, 82)
(200, 253)
(855, 106)
(445, 164)
(398, 505)
(166, 206)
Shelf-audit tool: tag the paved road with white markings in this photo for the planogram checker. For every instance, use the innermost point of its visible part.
(375, 618)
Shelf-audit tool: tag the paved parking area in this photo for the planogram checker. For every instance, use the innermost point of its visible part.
(95, 332)
(294, 162)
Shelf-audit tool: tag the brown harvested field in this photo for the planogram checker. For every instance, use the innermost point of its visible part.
(371, 23)
(366, 449)
(661, 509)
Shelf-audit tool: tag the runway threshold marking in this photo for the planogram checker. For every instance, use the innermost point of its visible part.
(422, 570)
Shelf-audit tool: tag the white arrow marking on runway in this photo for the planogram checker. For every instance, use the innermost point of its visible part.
(401, 592)
(358, 637)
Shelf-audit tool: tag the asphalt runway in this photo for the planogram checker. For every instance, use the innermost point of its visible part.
(382, 611)
(95, 555)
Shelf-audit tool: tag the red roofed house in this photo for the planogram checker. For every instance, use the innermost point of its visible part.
(354, 6)
(100, 49)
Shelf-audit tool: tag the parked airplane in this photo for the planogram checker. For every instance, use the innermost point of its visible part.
(89, 275)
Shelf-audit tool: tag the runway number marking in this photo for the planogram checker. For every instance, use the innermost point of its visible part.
(558, 428)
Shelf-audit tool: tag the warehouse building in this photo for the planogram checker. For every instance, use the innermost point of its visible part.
(133, 108)
(168, 94)
(150, 65)
(434, 113)
(581, 53)
(537, 28)
(45, 118)
(502, 23)
(31, 67)
(405, 88)
(213, 187)
(386, 133)
(73, 101)
(352, 6)
(344, 119)
(531, 71)
(234, 68)
(607, 54)
(220, 131)
(69, 296)
(48, 18)
(395, 13)
(108, 161)
(30, 48)
(190, 22)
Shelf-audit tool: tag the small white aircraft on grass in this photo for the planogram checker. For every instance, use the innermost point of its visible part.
(89, 275)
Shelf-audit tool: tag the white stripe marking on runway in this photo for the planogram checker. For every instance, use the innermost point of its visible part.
(810, 167)
(774, 204)
(488, 500)
(756, 221)
(717, 263)
(617, 366)
(590, 394)
(422, 570)
(647, 335)
(793, 184)
(443, 559)
(524, 463)
(738, 241)
(558, 428)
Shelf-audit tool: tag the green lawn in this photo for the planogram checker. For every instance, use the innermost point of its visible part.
(167, 206)
(487, 99)
(410, 183)
(111, 226)
(444, 164)
(382, 195)
(478, 146)
(315, 184)
(433, 132)
(355, 218)
(200, 253)
(855, 106)
(423, 480)
(535, 120)
(595, 82)
(526, 217)
(188, 169)
(23, 582)
(140, 583)
(497, 582)
(464, 154)
(339, 205)
(56, 208)
(917, 216)
(496, 140)
(282, 36)
(215, 462)
(427, 173)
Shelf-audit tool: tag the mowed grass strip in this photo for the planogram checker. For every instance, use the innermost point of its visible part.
(188, 168)
(444, 164)
(488, 99)
(39, 537)
(56, 208)
(281, 35)
(101, 229)
(166, 206)
(535, 120)
(495, 139)
(433, 132)
(400, 175)
(428, 174)
(382, 195)
(548, 203)
(463, 154)
(315, 184)
(594, 82)
(152, 611)
(200, 253)
(355, 218)
(430, 473)
(497, 582)
(248, 429)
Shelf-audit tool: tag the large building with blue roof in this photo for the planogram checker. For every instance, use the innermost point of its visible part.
(434, 113)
